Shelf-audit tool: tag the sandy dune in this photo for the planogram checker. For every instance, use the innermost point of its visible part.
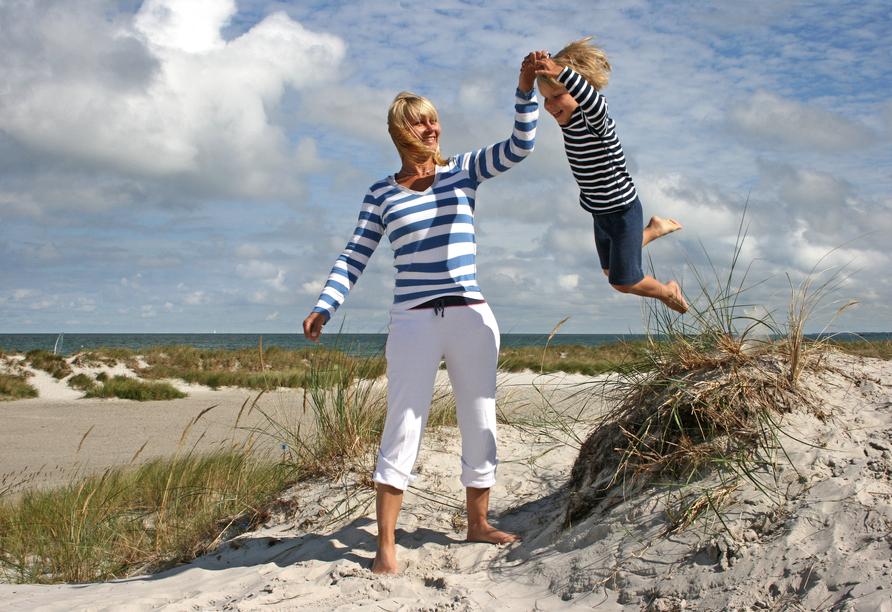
(825, 545)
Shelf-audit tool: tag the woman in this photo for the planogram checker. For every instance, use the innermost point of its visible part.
(427, 211)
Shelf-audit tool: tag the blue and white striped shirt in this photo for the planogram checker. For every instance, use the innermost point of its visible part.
(594, 151)
(431, 232)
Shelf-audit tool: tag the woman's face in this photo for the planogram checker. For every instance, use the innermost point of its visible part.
(428, 130)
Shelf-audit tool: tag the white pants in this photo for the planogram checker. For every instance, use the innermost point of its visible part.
(468, 338)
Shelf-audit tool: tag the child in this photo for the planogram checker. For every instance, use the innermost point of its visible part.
(569, 84)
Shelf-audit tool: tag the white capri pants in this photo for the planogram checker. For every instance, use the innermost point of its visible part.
(468, 338)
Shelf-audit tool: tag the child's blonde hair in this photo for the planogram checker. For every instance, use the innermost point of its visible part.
(406, 109)
(585, 58)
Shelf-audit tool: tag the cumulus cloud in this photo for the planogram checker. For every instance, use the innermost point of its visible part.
(769, 117)
(164, 94)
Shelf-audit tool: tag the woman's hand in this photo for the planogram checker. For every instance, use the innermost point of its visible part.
(313, 326)
(528, 70)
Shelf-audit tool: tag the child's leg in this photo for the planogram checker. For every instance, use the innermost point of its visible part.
(617, 243)
(669, 294)
(658, 227)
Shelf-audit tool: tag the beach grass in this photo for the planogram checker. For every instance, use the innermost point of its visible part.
(143, 518)
(878, 349)
(126, 387)
(257, 369)
(574, 359)
(132, 520)
(15, 386)
(709, 402)
(56, 365)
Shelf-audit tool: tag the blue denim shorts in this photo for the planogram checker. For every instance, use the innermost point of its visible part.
(618, 237)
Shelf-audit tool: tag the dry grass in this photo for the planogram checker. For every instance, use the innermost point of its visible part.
(683, 420)
(133, 520)
(711, 401)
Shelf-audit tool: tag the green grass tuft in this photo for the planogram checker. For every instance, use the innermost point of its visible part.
(15, 386)
(134, 520)
(124, 387)
(55, 365)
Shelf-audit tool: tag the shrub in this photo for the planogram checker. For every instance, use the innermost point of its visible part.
(125, 387)
(81, 382)
(55, 365)
(15, 386)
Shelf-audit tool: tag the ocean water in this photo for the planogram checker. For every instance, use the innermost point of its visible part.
(358, 344)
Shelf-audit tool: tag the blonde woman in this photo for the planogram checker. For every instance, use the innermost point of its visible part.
(426, 209)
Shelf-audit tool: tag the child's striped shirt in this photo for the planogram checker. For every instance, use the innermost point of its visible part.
(595, 153)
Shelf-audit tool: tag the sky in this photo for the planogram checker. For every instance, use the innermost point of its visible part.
(197, 165)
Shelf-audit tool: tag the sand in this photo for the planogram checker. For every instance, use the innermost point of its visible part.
(824, 545)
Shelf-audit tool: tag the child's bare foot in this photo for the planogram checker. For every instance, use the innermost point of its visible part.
(491, 535)
(675, 300)
(385, 561)
(659, 227)
(663, 226)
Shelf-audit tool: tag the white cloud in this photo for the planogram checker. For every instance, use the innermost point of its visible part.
(248, 251)
(201, 107)
(775, 120)
(568, 281)
(260, 270)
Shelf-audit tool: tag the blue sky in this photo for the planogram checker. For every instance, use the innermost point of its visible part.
(197, 165)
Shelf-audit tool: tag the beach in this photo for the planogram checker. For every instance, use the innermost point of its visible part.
(825, 544)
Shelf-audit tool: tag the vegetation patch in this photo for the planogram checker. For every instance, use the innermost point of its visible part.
(135, 520)
(15, 386)
(82, 382)
(575, 359)
(878, 349)
(710, 401)
(260, 369)
(124, 387)
(55, 365)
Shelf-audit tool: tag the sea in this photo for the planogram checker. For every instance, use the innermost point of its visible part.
(355, 344)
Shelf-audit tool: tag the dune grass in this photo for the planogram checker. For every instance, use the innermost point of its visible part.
(125, 387)
(55, 365)
(710, 401)
(574, 359)
(259, 369)
(132, 520)
(15, 386)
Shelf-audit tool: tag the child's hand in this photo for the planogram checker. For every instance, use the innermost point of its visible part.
(528, 70)
(547, 66)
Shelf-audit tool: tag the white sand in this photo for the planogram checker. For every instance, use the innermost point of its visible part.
(827, 545)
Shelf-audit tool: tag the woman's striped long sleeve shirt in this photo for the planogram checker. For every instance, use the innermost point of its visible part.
(431, 233)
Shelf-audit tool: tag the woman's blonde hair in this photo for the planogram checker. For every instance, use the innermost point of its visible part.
(407, 108)
(585, 58)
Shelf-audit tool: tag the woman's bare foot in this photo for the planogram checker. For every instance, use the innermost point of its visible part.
(675, 300)
(385, 561)
(490, 535)
(659, 227)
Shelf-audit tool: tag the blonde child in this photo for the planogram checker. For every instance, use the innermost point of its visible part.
(569, 85)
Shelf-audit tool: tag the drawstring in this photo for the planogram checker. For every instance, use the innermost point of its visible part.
(439, 304)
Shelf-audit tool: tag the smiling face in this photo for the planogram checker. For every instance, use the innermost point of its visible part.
(415, 129)
(557, 101)
(428, 131)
